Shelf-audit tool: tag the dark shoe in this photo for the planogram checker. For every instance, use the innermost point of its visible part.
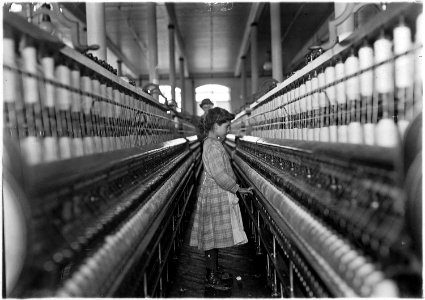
(220, 269)
(222, 274)
(213, 280)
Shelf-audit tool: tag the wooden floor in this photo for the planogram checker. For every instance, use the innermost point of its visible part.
(189, 274)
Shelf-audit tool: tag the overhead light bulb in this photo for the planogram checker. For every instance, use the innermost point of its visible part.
(267, 66)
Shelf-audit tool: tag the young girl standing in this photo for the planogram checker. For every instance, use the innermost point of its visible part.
(212, 227)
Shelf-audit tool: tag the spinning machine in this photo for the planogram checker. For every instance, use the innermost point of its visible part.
(334, 155)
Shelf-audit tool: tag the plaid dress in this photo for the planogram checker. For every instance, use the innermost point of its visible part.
(212, 226)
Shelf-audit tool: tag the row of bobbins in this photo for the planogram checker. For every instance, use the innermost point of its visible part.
(370, 98)
(59, 109)
(356, 274)
(92, 276)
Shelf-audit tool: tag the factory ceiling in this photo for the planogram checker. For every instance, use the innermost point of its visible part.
(212, 36)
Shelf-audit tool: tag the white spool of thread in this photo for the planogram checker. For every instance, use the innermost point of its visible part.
(352, 84)
(297, 130)
(384, 73)
(355, 133)
(31, 150)
(77, 141)
(324, 135)
(355, 130)
(402, 126)
(10, 91)
(65, 147)
(88, 145)
(63, 103)
(366, 78)
(419, 30)
(369, 130)
(387, 134)
(310, 130)
(76, 96)
(282, 130)
(63, 95)
(30, 145)
(324, 128)
(315, 107)
(96, 110)
(331, 93)
(341, 100)
(117, 111)
(366, 92)
(333, 133)
(104, 114)
(127, 116)
(50, 149)
(385, 289)
(343, 134)
(29, 55)
(291, 133)
(48, 64)
(303, 109)
(340, 87)
(403, 64)
(50, 143)
(86, 87)
(110, 115)
(282, 114)
(77, 147)
(418, 64)
(404, 74)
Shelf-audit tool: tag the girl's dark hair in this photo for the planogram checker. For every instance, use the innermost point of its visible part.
(215, 115)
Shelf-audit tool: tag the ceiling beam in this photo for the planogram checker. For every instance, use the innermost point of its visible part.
(316, 39)
(137, 39)
(78, 12)
(254, 14)
(180, 43)
(117, 51)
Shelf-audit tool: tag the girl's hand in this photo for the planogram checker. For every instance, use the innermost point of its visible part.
(244, 191)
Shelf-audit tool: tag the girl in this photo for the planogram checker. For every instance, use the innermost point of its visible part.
(212, 227)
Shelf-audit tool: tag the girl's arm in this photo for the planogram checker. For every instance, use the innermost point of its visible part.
(215, 162)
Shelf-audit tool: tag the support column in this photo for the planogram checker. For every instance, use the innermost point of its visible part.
(96, 28)
(119, 67)
(277, 72)
(29, 11)
(254, 58)
(172, 61)
(185, 103)
(193, 96)
(347, 27)
(243, 80)
(152, 44)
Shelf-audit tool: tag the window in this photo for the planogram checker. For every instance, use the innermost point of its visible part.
(219, 95)
(166, 91)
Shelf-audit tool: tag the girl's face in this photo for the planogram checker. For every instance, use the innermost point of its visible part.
(222, 130)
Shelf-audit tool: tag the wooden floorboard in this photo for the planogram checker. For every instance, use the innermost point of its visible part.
(187, 279)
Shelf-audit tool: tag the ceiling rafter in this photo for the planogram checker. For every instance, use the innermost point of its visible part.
(81, 16)
(180, 43)
(254, 14)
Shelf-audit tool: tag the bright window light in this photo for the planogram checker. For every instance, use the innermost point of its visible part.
(166, 91)
(218, 94)
(215, 92)
(15, 8)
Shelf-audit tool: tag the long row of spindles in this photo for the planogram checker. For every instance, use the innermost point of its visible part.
(370, 97)
(56, 108)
